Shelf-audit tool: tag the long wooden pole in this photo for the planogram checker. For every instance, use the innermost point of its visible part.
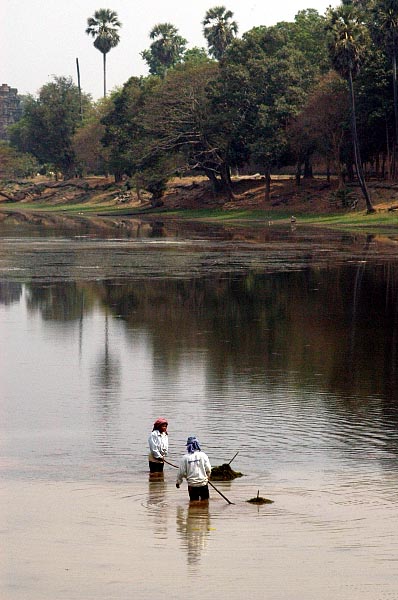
(169, 463)
(210, 483)
(80, 89)
(233, 458)
(221, 494)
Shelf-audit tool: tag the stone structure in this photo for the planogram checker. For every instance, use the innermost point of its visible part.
(10, 109)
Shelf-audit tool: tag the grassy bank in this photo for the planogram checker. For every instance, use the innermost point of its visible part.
(313, 203)
(357, 220)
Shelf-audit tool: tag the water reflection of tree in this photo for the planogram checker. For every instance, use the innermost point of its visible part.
(107, 382)
(10, 292)
(62, 301)
(107, 374)
(293, 322)
(193, 525)
(290, 324)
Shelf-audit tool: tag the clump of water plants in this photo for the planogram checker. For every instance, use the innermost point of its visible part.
(224, 473)
(259, 499)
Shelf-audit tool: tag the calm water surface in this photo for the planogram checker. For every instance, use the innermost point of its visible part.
(277, 343)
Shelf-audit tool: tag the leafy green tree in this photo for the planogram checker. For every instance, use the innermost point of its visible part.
(166, 50)
(123, 129)
(49, 123)
(309, 37)
(103, 26)
(91, 156)
(347, 44)
(219, 30)
(307, 34)
(16, 165)
(179, 121)
(131, 151)
(384, 26)
(322, 127)
(196, 55)
(375, 111)
(262, 85)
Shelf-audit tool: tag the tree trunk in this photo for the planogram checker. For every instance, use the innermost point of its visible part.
(216, 185)
(388, 151)
(226, 180)
(308, 169)
(349, 171)
(369, 206)
(377, 166)
(267, 191)
(104, 55)
(298, 173)
(138, 192)
(394, 81)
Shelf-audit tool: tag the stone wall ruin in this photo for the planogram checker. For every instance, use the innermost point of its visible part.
(10, 109)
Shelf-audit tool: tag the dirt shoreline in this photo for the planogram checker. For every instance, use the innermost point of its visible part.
(314, 196)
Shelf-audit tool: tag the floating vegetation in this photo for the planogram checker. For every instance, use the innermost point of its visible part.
(260, 500)
(224, 473)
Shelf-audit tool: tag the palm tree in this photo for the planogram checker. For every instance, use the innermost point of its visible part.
(219, 30)
(347, 44)
(166, 50)
(385, 29)
(104, 28)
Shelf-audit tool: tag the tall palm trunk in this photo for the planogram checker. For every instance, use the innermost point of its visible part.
(395, 93)
(358, 164)
(104, 62)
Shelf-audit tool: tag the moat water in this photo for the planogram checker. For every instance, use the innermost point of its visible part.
(277, 343)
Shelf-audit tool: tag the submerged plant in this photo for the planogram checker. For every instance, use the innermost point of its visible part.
(259, 499)
(224, 473)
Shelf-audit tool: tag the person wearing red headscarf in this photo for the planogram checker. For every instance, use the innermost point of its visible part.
(158, 445)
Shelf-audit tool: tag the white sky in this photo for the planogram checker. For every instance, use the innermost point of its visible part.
(42, 38)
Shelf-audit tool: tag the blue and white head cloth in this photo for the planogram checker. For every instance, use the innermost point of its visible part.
(192, 444)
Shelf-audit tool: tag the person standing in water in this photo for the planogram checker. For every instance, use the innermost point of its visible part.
(195, 468)
(158, 445)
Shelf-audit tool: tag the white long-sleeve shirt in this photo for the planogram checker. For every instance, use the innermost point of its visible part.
(195, 468)
(158, 445)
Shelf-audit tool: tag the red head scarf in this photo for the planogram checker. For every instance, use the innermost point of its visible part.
(158, 423)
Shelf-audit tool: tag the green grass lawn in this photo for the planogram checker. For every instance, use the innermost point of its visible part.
(347, 220)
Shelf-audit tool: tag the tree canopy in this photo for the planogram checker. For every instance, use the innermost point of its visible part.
(49, 123)
(166, 50)
(219, 30)
(319, 88)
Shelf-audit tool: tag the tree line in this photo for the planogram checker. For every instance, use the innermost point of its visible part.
(320, 88)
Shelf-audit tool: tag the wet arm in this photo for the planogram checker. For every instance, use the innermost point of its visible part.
(207, 467)
(182, 472)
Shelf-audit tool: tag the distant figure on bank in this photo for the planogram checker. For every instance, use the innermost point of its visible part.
(195, 468)
(158, 445)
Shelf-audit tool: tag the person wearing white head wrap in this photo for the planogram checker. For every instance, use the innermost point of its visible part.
(195, 467)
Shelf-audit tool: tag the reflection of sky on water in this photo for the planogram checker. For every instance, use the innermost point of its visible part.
(293, 366)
